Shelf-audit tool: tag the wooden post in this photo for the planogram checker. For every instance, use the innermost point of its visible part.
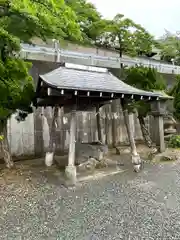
(106, 125)
(98, 120)
(114, 123)
(136, 160)
(70, 170)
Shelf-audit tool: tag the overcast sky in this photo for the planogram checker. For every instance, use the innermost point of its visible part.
(154, 15)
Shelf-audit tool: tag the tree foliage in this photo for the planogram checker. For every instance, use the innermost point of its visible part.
(20, 21)
(40, 18)
(126, 36)
(87, 17)
(120, 33)
(170, 47)
(145, 78)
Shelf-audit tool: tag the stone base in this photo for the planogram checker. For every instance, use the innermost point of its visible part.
(137, 163)
(89, 165)
(136, 159)
(137, 168)
(10, 164)
(70, 173)
(49, 159)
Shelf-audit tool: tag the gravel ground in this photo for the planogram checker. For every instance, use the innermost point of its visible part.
(128, 206)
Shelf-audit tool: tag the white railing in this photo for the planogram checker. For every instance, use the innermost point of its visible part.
(35, 52)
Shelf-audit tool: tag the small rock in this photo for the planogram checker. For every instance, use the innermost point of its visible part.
(168, 155)
(106, 163)
(88, 165)
(101, 164)
(166, 158)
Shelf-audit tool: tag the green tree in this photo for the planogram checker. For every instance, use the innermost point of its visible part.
(143, 41)
(145, 78)
(127, 36)
(91, 23)
(20, 21)
(170, 47)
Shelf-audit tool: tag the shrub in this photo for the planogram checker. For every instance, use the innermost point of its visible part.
(174, 141)
(1, 137)
(174, 91)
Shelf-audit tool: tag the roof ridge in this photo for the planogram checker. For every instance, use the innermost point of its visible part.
(77, 69)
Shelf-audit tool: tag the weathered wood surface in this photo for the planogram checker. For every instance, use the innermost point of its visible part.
(32, 136)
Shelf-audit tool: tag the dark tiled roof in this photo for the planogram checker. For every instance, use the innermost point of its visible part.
(77, 79)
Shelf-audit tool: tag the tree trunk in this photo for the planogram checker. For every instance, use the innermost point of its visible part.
(4, 145)
(145, 132)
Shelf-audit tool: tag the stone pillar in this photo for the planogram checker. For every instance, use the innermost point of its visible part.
(157, 128)
(128, 117)
(70, 170)
(160, 121)
(158, 132)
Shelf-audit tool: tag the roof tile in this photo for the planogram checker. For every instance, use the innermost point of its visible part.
(76, 79)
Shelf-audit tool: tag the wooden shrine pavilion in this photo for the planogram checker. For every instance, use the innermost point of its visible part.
(83, 88)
